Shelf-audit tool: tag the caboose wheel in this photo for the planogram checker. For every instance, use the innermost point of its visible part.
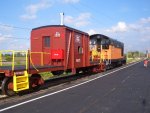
(7, 86)
(36, 82)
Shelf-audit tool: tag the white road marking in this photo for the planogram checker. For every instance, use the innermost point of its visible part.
(125, 79)
(2, 96)
(34, 99)
(113, 89)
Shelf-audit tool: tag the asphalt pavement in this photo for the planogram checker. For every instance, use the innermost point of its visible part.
(124, 91)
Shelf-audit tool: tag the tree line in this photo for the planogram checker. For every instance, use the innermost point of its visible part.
(135, 54)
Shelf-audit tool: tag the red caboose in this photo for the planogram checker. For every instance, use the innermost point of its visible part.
(58, 45)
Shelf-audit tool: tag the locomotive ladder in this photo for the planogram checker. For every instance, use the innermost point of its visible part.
(68, 50)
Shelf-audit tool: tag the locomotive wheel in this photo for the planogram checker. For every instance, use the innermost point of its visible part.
(57, 72)
(7, 86)
(36, 82)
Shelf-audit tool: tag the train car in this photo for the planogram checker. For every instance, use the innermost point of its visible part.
(58, 49)
(61, 46)
(107, 50)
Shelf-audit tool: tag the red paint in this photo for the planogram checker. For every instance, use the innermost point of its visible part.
(68, 47)
(57, 54)
(60, 48)
(10, 85)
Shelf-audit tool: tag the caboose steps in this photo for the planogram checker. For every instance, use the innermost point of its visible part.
(21, 82)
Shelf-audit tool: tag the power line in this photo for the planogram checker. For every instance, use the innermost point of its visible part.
(11, 37)
(93, 17)
(16, 27)
(102, 13)
(79, 10)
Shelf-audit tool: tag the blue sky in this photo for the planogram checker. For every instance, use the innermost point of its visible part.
(125, 20)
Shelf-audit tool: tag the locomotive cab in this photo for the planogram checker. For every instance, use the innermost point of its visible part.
(105, 43)
(99, 44)
(95, 49)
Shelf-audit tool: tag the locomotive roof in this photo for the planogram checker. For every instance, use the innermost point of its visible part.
(112, 41)
(60, 26)
(99, 36)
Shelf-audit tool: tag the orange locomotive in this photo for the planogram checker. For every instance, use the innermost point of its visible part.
(107, 50)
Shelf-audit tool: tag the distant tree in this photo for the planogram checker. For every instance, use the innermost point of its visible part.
(8, 58)
(135, 54)
(18, 54)
(130, 55)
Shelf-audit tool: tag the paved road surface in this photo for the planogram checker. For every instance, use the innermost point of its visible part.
(125, 91)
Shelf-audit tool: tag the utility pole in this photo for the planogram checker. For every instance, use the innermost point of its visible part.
(146, 53)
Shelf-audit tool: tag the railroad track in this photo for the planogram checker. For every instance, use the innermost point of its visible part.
(51, 84)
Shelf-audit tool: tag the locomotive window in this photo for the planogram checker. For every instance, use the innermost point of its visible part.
(46, 41)
(93, 42)
(103, 42)
(105, 46)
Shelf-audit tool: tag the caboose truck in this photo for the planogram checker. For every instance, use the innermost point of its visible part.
(59, 49)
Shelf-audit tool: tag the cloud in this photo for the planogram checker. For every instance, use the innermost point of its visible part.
(143, 25)
(4, 37)
(145, 20)
(92, 31)
(146, 38)
(5, 28)
(120, 27)
(69, 19)
(71, 1)
(32, 10)
(136, 34)
(20, 46)
(79, 21)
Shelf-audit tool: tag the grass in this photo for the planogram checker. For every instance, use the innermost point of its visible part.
(46, 75)
(7, 61)
(129, 60)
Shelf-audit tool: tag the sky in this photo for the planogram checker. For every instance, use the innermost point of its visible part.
(127, 21)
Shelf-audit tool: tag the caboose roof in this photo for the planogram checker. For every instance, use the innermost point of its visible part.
(64, 26)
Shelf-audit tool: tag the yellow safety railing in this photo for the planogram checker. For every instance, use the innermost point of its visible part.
(41, 60)
(26, 53)
(42, 56)
(13, 57)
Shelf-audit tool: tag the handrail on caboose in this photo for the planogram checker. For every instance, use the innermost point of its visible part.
(27, 56)
(42, 56)
(13, 58)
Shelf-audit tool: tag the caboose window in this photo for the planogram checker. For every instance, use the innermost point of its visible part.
(46, 41)
(80, 50)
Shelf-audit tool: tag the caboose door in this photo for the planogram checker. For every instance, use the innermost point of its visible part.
(78, 50)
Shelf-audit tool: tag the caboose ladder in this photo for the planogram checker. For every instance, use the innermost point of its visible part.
(21, 81)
